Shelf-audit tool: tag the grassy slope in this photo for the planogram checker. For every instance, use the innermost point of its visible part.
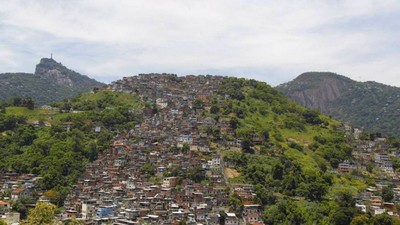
(32, 115)
(105, 99)
(267, 110)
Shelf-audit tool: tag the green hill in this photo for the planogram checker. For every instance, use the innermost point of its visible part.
(290, 165)
(51, 82)
(56, 144)
(289, 153)
(368, 105)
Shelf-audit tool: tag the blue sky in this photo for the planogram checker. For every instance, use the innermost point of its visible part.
(272, 41)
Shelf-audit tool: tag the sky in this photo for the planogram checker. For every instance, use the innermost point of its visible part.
(268, 40)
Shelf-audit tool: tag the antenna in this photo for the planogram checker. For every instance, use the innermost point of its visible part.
(51, 56)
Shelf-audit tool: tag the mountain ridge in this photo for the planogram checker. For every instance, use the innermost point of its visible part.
(369, 105)
(51, 82)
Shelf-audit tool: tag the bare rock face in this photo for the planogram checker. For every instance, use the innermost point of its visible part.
(316, 90)
(368, 105)
(58, 76)
(53, 71)
(51, 82)
(50, 69)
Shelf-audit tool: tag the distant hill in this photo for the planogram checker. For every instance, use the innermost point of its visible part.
(51, 82)
(372, 106)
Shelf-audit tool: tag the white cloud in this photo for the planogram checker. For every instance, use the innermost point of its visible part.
(117, 38)
(7, 57)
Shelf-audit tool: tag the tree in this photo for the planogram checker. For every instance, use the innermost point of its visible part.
(246, 146)
(214, 109)
(74, 222)
(52, 194)
(346, 211)
(263, 196)
(16, 101)
(57, 195)
(311, 116)
(387, 194)
(222, 217)
(265, 135)
(196, 174)
(284, 212)
(313, 190)
(370, 167)
(361, 220)
(25, 135)
(43, 213)
(343, 215)
(234, 122)
(20, 207)
(345, 199)
(91, 151)
(29, 103)
(383, 219)
(277, 172)
(198, 104)
(185, 148)
(236, 203)
(112, 117)
(147, 169)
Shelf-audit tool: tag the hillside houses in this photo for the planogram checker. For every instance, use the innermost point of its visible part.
(158, 174)
(169, 168)
(20, 187)
(374, 155)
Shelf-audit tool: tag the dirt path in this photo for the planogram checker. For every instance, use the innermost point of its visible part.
(231, 173)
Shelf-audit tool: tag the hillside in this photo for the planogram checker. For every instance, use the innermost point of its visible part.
(368, 105)
(51, 82)
(199, 143)
(56, 144)
(264, 139)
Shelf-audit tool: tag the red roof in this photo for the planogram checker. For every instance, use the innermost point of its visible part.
(17, 191)
(3, 203)
(257, 223)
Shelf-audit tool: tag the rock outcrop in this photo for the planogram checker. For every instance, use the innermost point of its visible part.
(50, 69)
(368, 105)
(316, 90)
(51, 82)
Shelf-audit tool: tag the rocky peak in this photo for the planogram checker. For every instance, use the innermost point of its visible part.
(50, 69)
(368, 105)
(316, 89)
